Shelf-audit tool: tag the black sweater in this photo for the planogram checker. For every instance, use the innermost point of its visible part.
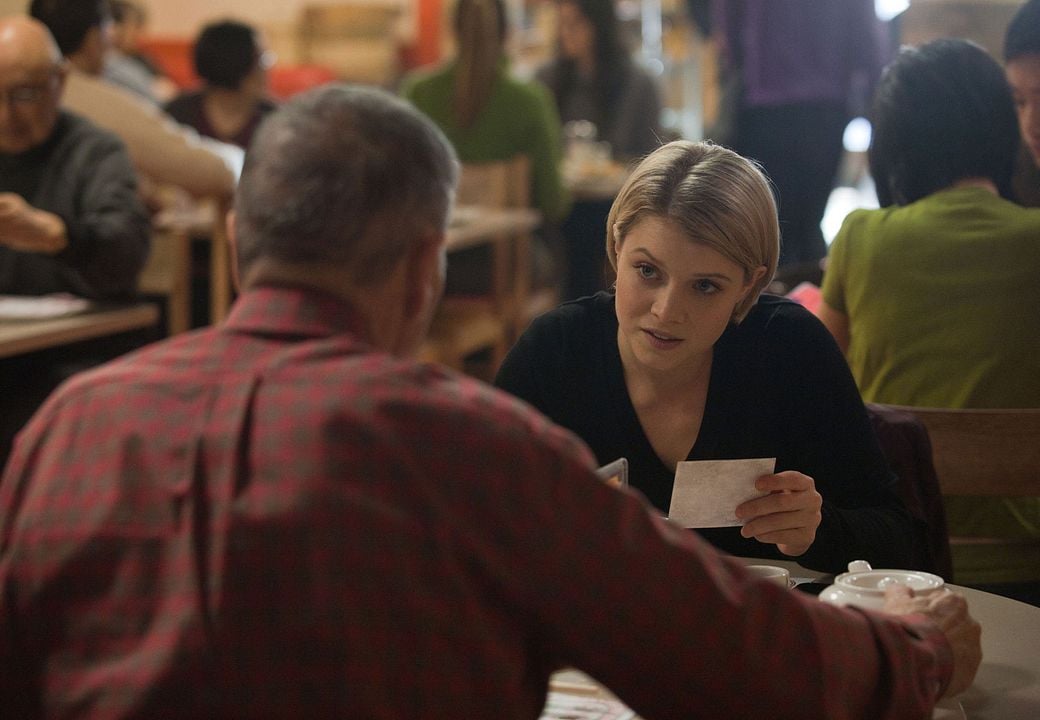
(82, 174)
(779, 388)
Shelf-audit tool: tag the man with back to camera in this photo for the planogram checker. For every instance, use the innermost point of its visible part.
(1022, 65)
(286, 515)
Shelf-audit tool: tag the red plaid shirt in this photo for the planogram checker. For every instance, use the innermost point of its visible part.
(269, 519)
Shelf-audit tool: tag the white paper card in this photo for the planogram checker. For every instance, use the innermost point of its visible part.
(707, 492)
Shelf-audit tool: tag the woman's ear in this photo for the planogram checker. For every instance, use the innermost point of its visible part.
(754, 280)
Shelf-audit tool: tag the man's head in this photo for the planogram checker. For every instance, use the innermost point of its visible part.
(1022, 65)
(347, 181)
(31, 80)
(80, 27)
(229, 54)
(942, 113)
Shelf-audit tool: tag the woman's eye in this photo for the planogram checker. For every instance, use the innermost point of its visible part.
(706, 287)
(646, 271)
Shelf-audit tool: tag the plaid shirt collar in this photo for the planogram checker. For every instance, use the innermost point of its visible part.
(294, 311)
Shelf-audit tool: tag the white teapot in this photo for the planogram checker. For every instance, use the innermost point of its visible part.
(864, 586)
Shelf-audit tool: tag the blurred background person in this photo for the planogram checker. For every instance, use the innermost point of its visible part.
(594, 78)
(232, 62)
(70, 217)
(1022, 66)
(163, 152)
(490, 116)
(124, 63)
(792, 75)
(933, 296)
(487, 114)
(604, 97)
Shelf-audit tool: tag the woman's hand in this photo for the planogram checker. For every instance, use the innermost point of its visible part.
(788, 516)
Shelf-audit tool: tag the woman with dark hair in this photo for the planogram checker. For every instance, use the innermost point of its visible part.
(487, 114)
(1022, 65)
(933, 297)
(232, 63)
(593, 78)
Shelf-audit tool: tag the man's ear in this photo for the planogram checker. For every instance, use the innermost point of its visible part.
(425, 274)
(231, 227)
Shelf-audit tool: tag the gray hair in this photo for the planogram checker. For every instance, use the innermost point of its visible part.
(343, 175)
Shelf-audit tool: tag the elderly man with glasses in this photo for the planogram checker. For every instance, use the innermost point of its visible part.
(70, 216)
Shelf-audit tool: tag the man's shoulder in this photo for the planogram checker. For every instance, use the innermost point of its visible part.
(80, 130)
(190, 100)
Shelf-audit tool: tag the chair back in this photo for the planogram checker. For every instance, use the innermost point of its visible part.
(502, 184)
(991, 453)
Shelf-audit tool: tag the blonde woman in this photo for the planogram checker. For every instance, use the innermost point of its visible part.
(685, 360)
(487, 114)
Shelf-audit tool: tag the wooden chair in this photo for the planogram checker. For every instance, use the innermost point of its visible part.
(508, 185)
(488, 323)
(167, 274)
(984, 453)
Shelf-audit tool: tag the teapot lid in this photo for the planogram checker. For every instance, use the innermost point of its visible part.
(863, 578)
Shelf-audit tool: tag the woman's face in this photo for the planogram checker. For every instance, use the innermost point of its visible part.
(674, 296)
(1023, 74)
(576, 33)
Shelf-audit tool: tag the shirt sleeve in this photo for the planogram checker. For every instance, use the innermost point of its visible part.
(160, 148)
(609, 588)
(109, 238)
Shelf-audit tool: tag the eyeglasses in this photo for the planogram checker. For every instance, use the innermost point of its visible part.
(25, 95)
(266, 59)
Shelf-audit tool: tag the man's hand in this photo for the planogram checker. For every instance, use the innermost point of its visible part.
(950, 612)
(24, 228)
(788, 516)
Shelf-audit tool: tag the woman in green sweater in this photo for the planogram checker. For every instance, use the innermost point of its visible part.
(487, 114)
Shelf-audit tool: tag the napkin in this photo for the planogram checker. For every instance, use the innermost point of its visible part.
(706, 492)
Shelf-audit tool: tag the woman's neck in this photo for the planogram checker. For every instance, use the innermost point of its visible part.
(585, 65)
(231, 101)
(979, 182)
(646, 385)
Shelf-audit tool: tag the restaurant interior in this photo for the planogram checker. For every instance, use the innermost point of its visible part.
(188, 282)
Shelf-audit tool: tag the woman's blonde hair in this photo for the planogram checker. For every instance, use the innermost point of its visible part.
(720, 200)
(479, 33)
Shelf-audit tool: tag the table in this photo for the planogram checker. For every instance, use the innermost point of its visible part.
(595, 182)
(1007, 686)
(474, 225)
(23, 336)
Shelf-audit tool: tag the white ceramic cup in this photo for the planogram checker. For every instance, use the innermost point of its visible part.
(773, 573)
